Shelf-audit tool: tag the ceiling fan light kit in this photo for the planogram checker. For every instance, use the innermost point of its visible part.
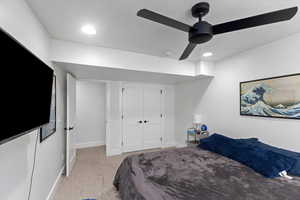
(203, 31)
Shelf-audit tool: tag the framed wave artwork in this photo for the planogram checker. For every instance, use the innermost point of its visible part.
(277, 97)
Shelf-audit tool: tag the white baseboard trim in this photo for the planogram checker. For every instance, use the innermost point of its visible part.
(89, 144)
(113, 152)
(72, 163)
(55, 185)
(168, 145)
(181, 145)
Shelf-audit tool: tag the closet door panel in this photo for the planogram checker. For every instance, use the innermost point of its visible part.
(132, 118)
(113, 118)
(169, 117)
(152, 117)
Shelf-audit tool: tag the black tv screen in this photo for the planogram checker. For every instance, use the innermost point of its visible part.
(26, 84)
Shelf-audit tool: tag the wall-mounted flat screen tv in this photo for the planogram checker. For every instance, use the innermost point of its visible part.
(26, 87)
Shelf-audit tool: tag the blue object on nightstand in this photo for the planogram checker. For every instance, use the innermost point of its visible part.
(204, 127)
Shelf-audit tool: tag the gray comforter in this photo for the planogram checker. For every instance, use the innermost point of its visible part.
(195, 174)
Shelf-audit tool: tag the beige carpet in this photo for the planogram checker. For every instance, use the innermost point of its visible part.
(92, 176)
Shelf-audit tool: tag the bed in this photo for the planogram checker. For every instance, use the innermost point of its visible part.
(196, 174)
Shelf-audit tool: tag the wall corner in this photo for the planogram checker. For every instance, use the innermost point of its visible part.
(205, 68)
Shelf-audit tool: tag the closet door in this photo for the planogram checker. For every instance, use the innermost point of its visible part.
(152, 117)
(168, 124)
(113, 118)
(132, 118)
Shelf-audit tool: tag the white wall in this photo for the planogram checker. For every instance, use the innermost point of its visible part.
(205, 68)
(188, 95)
(17, 19)
(70, 52)
(51, 153)
(16, 157)
(218, 101)
(90, 111)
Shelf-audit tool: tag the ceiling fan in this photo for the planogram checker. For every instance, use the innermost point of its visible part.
(203, 31)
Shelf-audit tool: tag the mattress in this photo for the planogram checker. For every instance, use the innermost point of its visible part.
(195, 174)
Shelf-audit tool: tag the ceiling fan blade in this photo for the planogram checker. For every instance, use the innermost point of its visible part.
(188, 50)
(148, 14)
(268, 18)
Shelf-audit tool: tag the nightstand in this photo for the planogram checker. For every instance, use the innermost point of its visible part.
(193, 137)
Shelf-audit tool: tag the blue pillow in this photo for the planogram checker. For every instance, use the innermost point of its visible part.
(295, 170)
(265, 162)
(226, 145)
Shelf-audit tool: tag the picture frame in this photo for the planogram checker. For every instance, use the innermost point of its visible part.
(47, 130)
(275, 97)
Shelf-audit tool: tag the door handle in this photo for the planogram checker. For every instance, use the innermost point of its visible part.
(69, 129)
(146, 121)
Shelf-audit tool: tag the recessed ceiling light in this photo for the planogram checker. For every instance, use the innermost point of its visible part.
(207, 54)
(89, 29)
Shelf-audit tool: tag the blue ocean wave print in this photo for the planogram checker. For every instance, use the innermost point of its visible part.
(253, 103)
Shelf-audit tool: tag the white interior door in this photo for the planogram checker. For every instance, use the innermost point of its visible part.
(71, 124)
(132, 118)
(152, 134)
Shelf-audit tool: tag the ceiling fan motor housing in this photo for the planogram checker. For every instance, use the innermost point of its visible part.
(200, 33)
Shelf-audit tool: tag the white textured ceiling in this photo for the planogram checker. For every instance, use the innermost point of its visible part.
(118, 26)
